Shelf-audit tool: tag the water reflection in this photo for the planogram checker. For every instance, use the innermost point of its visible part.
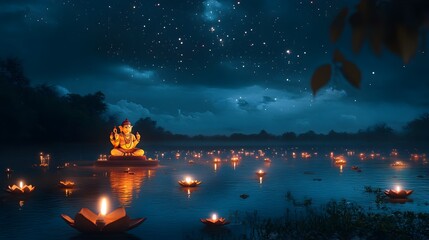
(127, 186)
(189, 191)
(68, 192)
(234, 165)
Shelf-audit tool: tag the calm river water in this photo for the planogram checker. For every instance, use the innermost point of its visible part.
(173, 212)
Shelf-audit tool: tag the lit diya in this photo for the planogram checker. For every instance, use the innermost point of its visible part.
(8, 171)
(398, 164)
(340, 160)
(22, 188)
(189, 182)
(89, 222)
(398, 193)
(66, 184)
(260, 173)
(214, 221)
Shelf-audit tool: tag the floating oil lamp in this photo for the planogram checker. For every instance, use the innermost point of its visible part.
(189, 182)
(235, 159)
(44, 159)
(191, 161)
(398, 193)
(127, 170)
(260, 173)
(398, 164)
(340, 160)
(267, 160)
(22, 188)
(8, 171)
(214, 221)
(216, 160)
(89, 222)
(66, 184)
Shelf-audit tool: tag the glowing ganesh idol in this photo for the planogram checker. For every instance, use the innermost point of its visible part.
(22, 188)
(89, 222)
(124, 152)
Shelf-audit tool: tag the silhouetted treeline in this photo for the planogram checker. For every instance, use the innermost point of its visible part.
(40, 114)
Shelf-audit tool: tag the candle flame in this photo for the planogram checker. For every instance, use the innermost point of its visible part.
(260, 171)
(398, 188)
(214, 217)
(21, 184)
(103, 206)
(188, 180)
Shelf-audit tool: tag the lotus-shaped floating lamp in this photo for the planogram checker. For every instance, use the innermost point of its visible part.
(340, 160)
(189, 182)
(398, 164)
(66, 184)
(89, 222)
(214, 221)
(398, 193)
(260, 173)
(22, 188)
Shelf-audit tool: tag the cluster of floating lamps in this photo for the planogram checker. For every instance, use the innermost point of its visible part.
(118, 220)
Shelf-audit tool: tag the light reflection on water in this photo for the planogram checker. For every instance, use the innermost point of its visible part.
(174, 212)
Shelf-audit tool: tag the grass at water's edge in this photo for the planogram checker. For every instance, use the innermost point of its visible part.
(334, 220)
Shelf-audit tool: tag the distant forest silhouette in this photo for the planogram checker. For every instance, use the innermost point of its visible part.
(40, 114)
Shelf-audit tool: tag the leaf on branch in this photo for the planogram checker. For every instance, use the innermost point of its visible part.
(351, 73)
(321, 77)
(376, 36)
(338, 56)
(358, 31)
(408, 40)
(337, 25)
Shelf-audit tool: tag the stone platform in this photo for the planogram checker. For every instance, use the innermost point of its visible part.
(127, 161)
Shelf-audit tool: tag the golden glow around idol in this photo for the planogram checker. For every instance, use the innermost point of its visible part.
(103, 206)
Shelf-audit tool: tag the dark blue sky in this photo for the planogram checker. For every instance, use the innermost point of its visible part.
(210, 67)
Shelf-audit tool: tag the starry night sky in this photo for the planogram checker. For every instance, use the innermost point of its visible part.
(211, 67)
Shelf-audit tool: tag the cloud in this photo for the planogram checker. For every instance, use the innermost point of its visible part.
(212, 10)
(126, 109)
(62, 91)
(135, 73)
